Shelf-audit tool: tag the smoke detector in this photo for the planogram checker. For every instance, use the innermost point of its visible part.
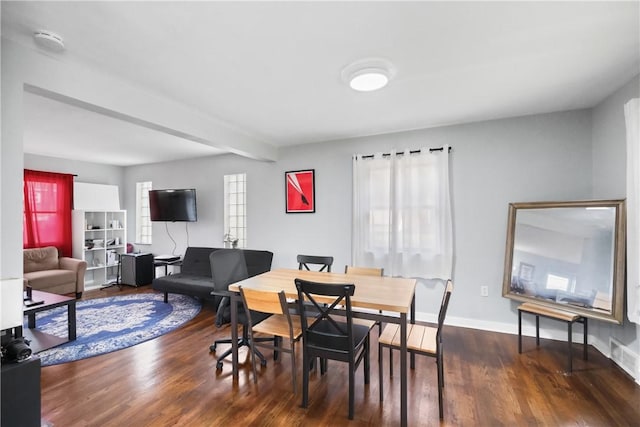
(48, 40)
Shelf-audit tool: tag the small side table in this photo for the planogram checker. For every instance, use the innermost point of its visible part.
(164, 263)
(552, 313)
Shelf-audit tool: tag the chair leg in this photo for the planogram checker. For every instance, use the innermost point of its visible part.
(441, 367)
(390, 362)
(440, 383)
(440, 364)
(352, 381)
(222, 357)
(277, 343)
(293, 367)
(253, 358)
(367, 374)
(380, 380)
(306, 362)
(245, 341)
(323, 366)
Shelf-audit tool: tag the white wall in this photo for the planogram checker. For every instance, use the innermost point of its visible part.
(609, 180)
(93, 173)
(11, 190)
(544, 157)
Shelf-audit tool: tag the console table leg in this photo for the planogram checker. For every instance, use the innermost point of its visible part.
(584, 350)
(71, 320)
(519, 331)
(570, 341)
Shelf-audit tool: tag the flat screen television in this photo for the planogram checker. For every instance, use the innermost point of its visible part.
(173, 205)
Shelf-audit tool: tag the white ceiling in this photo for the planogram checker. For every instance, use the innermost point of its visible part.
(272, 69)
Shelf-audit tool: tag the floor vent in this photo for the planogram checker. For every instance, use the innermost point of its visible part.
(624, 357)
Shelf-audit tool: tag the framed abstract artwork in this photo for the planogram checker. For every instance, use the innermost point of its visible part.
(300, 191)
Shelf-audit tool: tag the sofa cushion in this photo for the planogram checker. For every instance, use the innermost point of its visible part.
(196, 261)
(50, 278)
(39, 259)
(188, 284)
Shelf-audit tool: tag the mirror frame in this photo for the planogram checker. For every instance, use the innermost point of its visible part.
(618, 279)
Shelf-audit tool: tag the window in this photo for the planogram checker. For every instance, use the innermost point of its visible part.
(557, 282)
(235, 210)
(402, 213)
(48, 200)
(143, 218)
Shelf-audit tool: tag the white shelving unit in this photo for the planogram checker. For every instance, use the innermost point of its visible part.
(99, 237)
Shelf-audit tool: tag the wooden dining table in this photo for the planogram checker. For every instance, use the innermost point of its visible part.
(393, 295)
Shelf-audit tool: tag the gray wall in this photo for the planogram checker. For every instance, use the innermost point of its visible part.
(609, 181)
(93, 173)
(543, 157)
(560, 156)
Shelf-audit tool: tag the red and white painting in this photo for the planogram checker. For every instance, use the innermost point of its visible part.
(301, 192)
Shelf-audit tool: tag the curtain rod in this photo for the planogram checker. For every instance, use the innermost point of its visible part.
(61, 173)
(431, 150)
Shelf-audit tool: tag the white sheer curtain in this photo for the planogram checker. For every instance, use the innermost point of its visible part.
(632, 119)
(402, 213)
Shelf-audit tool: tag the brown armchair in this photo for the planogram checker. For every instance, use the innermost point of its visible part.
(43, 270)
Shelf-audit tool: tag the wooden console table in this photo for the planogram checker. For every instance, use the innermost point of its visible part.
(556, 314)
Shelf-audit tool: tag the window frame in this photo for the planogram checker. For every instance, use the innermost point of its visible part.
(235, 210)
(143, 216)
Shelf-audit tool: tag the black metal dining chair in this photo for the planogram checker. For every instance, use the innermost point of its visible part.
(322, 262)
(328, 336)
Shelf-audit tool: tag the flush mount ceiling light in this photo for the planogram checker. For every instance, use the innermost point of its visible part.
(368, 74)
(48, 40)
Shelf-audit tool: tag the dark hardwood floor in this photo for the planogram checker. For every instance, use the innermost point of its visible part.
(172, 381)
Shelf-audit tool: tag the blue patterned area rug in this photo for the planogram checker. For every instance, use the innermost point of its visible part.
(108, 324)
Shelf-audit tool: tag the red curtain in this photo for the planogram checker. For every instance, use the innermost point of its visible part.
(48, 201)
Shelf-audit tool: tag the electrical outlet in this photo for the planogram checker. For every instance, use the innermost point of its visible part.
(484, 291)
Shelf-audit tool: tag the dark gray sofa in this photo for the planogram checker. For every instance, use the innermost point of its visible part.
(195, 274)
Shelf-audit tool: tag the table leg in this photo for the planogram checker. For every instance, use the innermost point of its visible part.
(234, 336)
(519, 331)
(413, 321)
(71, 320)
(403, 369)
(31, 320)
(585, 353)
(570, 340)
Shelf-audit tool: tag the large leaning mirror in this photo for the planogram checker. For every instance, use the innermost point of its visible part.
(568, 255)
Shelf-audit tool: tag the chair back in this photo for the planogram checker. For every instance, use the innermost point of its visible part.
(443, 308)
(325, 335)
(264, 301)
(227, 266)
(363, 271)
(324, 262)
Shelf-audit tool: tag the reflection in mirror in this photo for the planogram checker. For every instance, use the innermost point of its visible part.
(569, 254)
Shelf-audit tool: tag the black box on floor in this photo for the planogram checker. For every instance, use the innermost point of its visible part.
(21, 394)
(137, 269)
